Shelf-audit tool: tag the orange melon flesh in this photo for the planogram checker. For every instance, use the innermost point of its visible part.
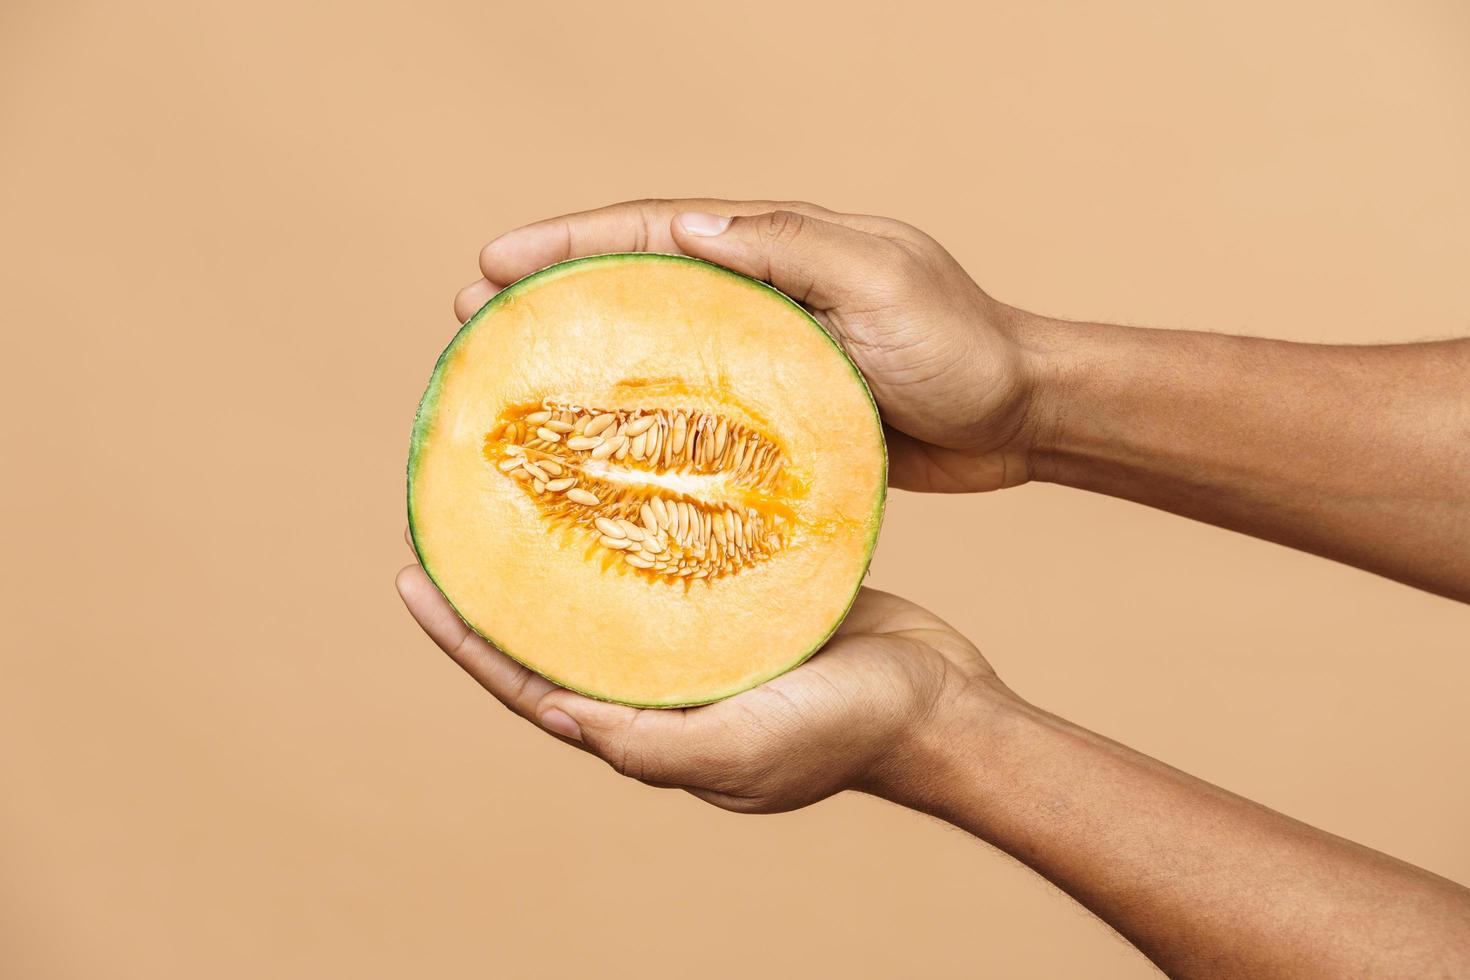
(755, 517)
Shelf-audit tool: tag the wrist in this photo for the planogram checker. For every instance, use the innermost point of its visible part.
(1083, 380)
(949, 747)
(1050, 353)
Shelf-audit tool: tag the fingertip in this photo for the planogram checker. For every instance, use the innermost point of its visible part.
(408, 580)
(497, 263)
(469, 300)
(422, 597)
(518, 253)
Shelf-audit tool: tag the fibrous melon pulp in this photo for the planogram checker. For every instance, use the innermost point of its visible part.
(647, 478)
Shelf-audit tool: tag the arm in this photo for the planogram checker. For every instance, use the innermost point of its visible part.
(1360, 454)
(1203, 882)
(979, 396)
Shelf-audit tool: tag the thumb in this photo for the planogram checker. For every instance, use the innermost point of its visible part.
(815, 262)
(643, 743)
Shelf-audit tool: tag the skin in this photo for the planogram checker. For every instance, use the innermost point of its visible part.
(1361, 454)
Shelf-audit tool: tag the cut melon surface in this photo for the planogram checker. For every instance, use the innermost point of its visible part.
(647, 478)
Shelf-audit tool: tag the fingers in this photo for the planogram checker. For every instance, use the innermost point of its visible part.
(648, 744)
(467, 301)
(815, 261)
(516, 687)
(713, 747)
(633, 226)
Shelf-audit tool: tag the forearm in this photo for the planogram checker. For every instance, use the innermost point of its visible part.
(1205, 883)
(1360, 454)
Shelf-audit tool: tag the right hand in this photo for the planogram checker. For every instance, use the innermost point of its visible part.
(864, 713)
(955, 391)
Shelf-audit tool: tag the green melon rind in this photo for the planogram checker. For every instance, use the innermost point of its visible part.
(423, 422)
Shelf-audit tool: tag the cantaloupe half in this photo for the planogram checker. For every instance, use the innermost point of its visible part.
(647, 478)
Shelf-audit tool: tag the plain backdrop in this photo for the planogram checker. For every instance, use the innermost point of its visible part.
(230, 237)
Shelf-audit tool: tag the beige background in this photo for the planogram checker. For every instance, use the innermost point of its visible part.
(230, 238)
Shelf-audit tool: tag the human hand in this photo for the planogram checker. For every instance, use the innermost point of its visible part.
(855, 716)
(952, 381)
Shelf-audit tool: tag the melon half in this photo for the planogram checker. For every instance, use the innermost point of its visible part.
(647, 478)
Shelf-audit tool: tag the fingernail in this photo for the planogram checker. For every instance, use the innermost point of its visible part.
(702, 224)
(558, 722)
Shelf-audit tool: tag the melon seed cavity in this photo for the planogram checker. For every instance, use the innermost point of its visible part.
(672, 495)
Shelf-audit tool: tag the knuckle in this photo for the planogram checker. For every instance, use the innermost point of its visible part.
(904, 266)
(645, 205)
(908, 256)
(781, 227)
(915, 236)
(519, 684)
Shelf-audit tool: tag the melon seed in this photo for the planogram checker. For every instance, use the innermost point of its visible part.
(609, 447)
(638, 426)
